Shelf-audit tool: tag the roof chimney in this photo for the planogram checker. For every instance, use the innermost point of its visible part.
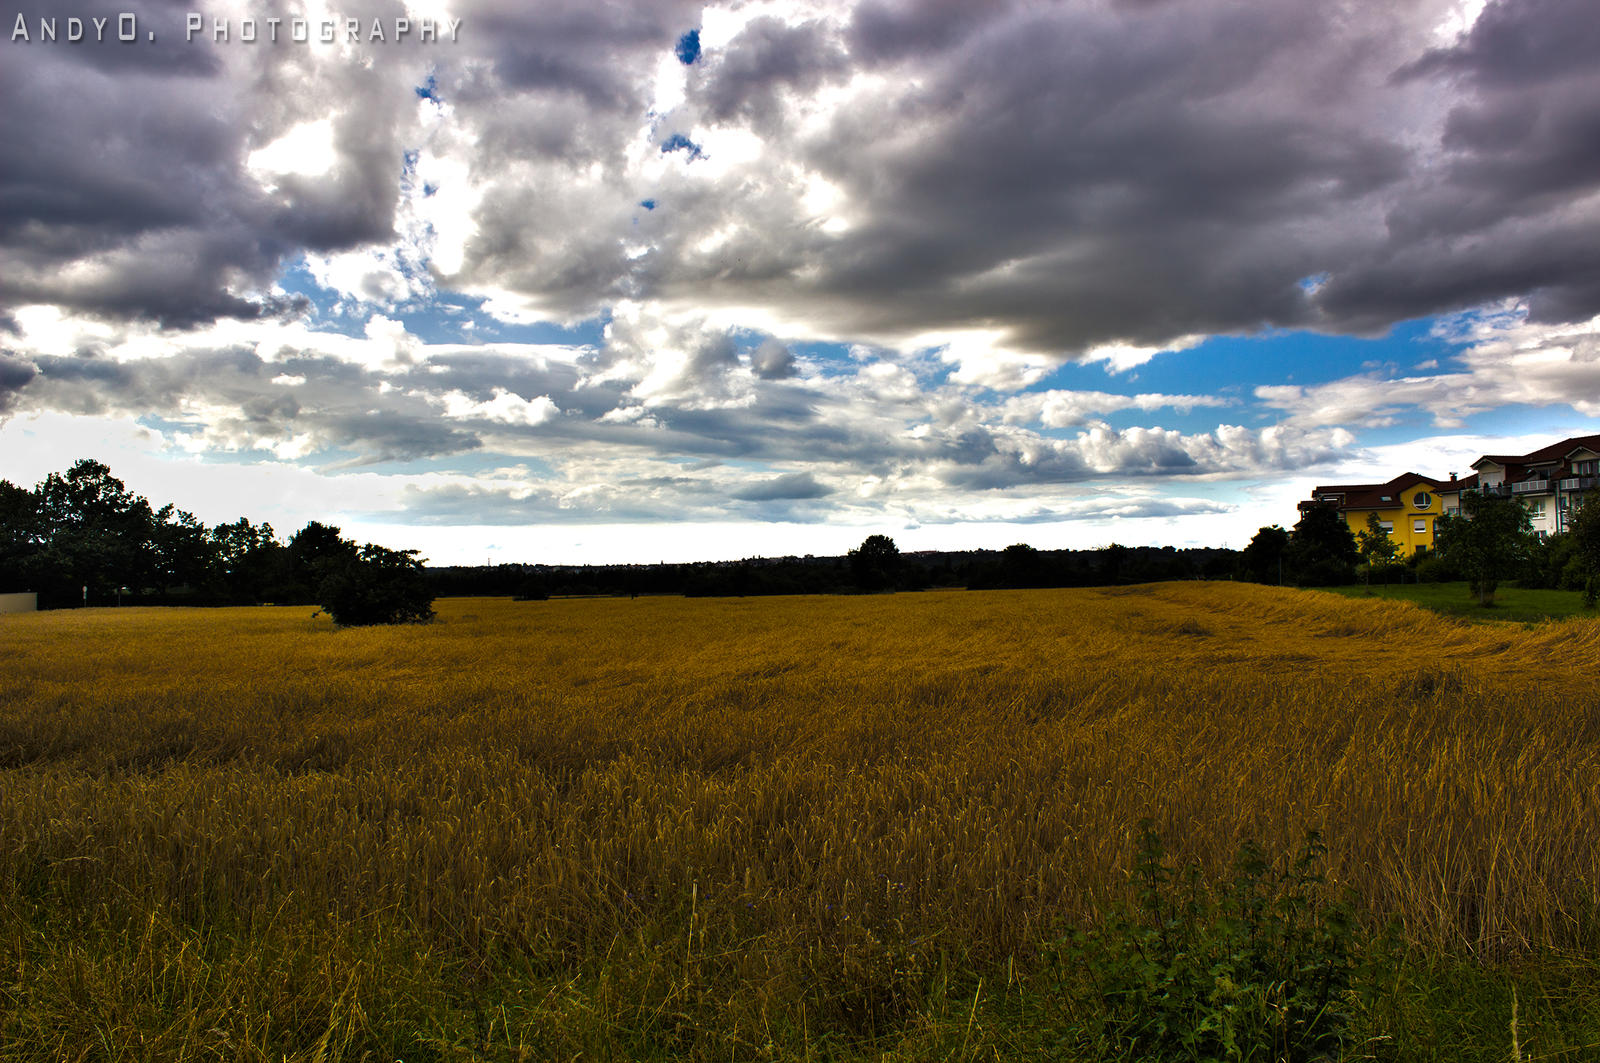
(1452, 477)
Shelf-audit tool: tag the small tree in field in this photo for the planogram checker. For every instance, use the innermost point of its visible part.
(1489, 540)
(375, 585)
(1378, 550)
(875, 564)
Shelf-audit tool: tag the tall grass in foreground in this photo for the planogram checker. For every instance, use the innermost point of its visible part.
(734, 829)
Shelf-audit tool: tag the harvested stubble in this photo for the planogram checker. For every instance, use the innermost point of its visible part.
(823, 800)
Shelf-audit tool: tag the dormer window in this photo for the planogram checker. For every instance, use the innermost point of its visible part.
(1385, 498)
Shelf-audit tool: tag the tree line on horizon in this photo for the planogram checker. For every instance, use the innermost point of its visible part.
(877, 565)
(82, 538)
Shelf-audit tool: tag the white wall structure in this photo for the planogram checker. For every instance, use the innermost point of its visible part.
(19, 603)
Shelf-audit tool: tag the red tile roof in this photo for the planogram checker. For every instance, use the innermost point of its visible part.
(1552, 453)
(1370, 496)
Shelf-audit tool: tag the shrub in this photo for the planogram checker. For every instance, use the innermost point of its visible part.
(1256, 969)
(375, 585)
(1436, 569)
(1326, 573)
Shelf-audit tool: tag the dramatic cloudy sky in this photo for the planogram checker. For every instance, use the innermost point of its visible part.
(631, 281)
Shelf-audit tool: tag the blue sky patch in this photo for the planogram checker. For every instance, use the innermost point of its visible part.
(688, 49)
(679, 142)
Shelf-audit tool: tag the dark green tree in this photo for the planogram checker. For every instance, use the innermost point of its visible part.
(184, 553)
(1114, 563)
(98, 534)
(1322, 548)
(315, 551)
(22, 538)
(1378, 551)
(1264, 557)
(1022, 566)
(250, 563)
(875, 564)
(1489, 540)
(1584, 531)
(374, 585)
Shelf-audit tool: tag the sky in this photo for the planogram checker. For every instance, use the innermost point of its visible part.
(591, 281)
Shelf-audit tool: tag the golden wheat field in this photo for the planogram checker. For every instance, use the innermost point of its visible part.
(205, 812)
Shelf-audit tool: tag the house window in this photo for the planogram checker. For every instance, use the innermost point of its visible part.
(1536, 508)
(1385, 498)
(1586, 468)
(1387, 526)
(1422, 500)
(1420, 526)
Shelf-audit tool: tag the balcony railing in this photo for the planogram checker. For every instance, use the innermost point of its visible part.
(1578, 483)
(1531, 487)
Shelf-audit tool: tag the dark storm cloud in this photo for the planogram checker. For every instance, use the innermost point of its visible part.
(478, 372)
(1067, 174)
(124, 190)
(1077, 174)
(250, 403)
(15, 374)
(767, 59)
(101, 49)
(796, 485)
(1061, 175)
(1511, 211)
(582, 47)
(1521, 43)
(772, 360)
(168, 186)
(391, 435)
(880, 30)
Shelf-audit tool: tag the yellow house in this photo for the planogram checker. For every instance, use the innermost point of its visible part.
(1407, 507)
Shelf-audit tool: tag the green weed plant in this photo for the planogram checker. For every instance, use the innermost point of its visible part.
(1258, 968)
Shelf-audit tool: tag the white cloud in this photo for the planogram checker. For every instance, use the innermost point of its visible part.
(1121, 357)
(1508, 361)
(307, 150)
(1069, 409)
(504, 407)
